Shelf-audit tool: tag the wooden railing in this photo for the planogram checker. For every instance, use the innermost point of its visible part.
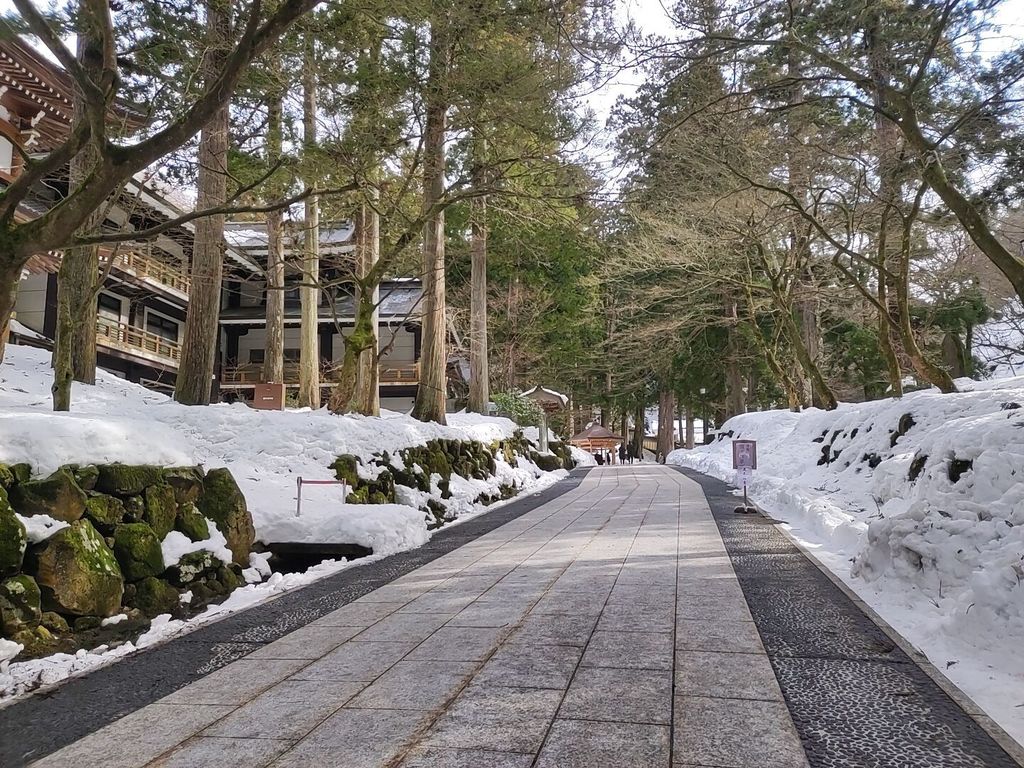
(395, 373)
(249, 374)
(130, 339)
(137, 258)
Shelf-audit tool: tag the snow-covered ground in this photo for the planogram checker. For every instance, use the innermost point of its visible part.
(265, 450)
(116, 421)
(940, 557)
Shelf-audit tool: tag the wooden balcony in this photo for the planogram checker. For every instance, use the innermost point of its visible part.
(250, 374)
(127, 338)
(137, 260)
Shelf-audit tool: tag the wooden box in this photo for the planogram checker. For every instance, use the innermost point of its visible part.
(268, 397)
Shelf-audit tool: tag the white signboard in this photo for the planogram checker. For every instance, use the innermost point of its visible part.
(744, 454)
(744, 461)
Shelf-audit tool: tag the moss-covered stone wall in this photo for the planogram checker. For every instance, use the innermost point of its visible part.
(415, 466)
(108, 559)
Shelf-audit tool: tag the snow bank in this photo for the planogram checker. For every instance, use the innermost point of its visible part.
(918, 505)
(265, 450)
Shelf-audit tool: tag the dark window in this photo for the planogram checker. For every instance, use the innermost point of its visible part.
(291, 295)
(109, 307)
(256, 355)
(291, 355)
(162, 327)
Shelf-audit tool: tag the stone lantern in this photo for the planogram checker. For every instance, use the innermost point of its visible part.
(549, 402)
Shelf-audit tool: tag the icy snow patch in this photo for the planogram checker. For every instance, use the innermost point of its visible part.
(176, 545)
(41, 527)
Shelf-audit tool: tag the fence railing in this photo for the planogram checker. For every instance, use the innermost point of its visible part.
(130, 339)
(250, 374)
(138, 259)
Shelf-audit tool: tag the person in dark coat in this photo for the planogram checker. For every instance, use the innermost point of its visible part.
(622, 453)
(599, 458)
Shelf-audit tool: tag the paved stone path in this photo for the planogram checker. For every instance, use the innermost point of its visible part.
(606, 627)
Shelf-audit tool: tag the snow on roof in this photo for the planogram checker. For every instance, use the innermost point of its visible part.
(21, 329)
(596, 432)
(542, 393)
(252, 235)
(397, 302)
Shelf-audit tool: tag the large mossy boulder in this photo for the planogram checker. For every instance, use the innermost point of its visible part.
(77, 573)
(187, 483)
(57, 495)
(192, 523)
(137, 550)
(20, 604)
(223, 503)
(546, 462)
(346, 469)
(104, 511)
(154, 596)
(13, 538)
(14, 473)
(134, 509)
(128, 479)
(87, 476)
(161, 509)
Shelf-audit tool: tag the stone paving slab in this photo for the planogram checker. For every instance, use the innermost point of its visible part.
(604, 628)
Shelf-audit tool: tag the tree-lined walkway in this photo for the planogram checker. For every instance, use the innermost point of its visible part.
(607, 627)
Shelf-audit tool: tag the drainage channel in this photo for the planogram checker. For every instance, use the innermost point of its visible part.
(858, 701)
(44, 722)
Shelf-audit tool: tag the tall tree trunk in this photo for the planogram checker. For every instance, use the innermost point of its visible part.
(8, 299)
(199, 346)
(479, 384)
(884, 333)
(690, 438)
(805, 300)
(367, 255)
(826, 397)
(432, 391)
(953, 355)
(735, 399)
(924, 367)
(666, 423)
(273, 355)
(887, 151)
(361, 339)
(74, 347)
(309, 290)
(638, 431)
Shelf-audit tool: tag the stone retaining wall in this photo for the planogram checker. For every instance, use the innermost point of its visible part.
(96, 549)
(417, 465)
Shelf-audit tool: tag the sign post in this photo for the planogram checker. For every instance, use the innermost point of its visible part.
(744, 461)
(299, 482)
